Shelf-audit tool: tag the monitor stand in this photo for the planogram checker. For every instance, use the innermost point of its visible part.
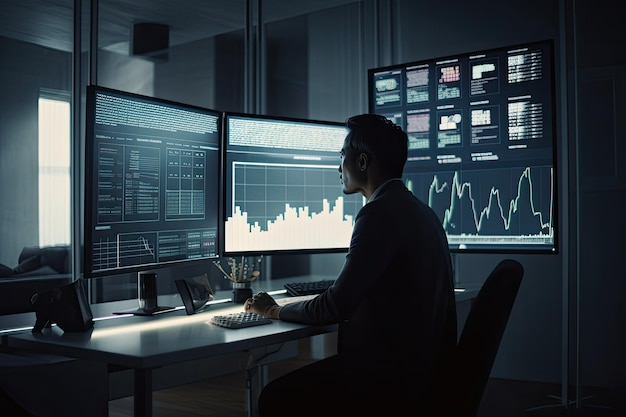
(147, 297)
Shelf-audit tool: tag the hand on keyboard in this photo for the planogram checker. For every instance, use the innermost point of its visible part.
(262, 303)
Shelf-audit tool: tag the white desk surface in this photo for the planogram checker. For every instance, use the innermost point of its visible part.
(142, 342)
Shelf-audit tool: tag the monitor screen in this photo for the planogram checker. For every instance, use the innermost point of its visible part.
(482, 142)
(152, 183)
(282, 188)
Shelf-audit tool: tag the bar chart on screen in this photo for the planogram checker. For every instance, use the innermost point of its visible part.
(288, 206)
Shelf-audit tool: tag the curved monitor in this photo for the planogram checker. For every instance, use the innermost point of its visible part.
(282, 190)
(152, 183)
(482, 142)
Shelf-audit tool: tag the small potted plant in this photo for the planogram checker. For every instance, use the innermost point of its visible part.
(242, 273)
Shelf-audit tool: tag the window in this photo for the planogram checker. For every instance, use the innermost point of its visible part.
(54, 169)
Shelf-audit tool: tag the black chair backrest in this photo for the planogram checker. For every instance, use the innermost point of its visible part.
(481, 336)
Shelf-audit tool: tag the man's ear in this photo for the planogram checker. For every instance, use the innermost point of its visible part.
(363, 161)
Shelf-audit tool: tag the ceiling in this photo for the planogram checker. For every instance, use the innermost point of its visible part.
(49, 23)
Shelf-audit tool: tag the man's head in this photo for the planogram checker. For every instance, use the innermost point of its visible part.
(374, 151)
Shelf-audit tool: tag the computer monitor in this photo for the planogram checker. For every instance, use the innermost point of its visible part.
(482, 142)
(151, 186)
(282, 188)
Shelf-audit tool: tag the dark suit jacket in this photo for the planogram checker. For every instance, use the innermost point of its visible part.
(394, 297)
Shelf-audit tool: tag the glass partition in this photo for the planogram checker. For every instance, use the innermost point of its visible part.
(35, 154)
(211, 54)
(185, 51)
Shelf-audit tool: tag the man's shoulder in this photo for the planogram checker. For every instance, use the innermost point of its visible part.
(392, 188)
(391, 198)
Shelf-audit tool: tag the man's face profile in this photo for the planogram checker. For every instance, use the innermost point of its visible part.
(350, 174)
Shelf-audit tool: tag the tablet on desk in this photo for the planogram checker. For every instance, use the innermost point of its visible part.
(195, 292)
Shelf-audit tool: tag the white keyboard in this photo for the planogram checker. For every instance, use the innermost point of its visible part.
(240, 320)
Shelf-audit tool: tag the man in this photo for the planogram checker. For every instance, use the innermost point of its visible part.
(393, 299)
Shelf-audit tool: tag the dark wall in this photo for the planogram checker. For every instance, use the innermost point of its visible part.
(229, 72)
(601, 190)
(287, 68)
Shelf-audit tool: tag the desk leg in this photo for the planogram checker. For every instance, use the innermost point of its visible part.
(143, 392)
(255, 378)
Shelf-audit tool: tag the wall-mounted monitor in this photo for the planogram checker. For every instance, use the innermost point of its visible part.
(282, 188)
(482, 143)
(151, 183)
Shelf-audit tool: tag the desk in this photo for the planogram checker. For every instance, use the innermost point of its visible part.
(144, 344)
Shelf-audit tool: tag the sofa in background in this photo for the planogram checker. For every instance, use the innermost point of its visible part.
(38, 269)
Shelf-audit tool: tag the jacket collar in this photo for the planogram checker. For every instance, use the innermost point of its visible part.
(378, 190)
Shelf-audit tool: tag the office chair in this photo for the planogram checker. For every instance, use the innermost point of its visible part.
(460, 389)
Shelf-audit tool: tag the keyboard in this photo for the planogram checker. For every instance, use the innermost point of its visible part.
(240, 320)
(308, 288)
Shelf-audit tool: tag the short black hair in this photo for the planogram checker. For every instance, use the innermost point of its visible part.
(380, 139)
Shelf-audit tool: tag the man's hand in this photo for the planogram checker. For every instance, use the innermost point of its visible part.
(262, 303)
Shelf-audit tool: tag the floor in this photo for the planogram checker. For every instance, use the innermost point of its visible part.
(226, 397)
